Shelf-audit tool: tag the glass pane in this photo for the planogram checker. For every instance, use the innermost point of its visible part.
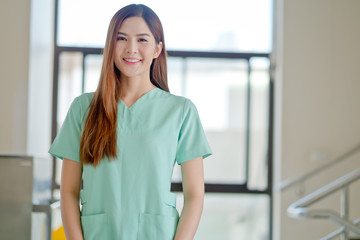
(221, 27)
(70, 85)
(38, 226)
(92, 72)
(176, 82)
(243, 28)
(259, 123)
(218, 89)
(78, 26)
(232, 217)
(42, 177)
(176, 75)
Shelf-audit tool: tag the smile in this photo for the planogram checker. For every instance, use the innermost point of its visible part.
(132, 60)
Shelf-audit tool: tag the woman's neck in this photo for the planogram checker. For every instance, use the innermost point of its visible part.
(133, 89)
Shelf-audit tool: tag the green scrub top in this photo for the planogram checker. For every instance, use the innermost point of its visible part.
(129, 197)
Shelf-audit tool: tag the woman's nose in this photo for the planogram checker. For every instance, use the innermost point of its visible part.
(131, 47)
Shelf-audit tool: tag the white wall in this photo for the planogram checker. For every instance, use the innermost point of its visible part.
(26, 63)
(14, 72)
(317, 101)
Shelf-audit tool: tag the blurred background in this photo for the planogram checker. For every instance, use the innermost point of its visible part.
(276, 84)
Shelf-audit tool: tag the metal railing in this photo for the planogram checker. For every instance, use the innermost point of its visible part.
(299, 179)
(300, 209)
(338, 232)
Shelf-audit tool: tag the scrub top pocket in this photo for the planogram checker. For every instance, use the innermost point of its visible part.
(95, 227)
(157, 227)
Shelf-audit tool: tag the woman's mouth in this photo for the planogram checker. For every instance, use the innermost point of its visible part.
(131, 60)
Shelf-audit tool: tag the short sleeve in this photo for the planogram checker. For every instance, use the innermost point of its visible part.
(67, 141)
(192, 142)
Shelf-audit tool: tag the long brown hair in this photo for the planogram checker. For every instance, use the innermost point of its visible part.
(99, 137)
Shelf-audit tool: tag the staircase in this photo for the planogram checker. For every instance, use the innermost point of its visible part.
(302, 208)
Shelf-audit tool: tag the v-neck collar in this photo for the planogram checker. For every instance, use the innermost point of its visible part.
(138, 100)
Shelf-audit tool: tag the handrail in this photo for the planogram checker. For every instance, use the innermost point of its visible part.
(300, 210)
(294, 180)
(339, 231)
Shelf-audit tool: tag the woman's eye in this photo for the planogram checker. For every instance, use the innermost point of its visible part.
(121, 38)
(143, 40)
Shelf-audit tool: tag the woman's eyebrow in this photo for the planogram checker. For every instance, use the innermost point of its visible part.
(140, 34)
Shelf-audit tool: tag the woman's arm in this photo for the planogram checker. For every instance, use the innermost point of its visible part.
(193, 188)
(70, 191)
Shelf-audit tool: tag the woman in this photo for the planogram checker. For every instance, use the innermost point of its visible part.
(123, 140)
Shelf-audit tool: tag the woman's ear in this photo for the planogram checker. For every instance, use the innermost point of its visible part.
(158, 49)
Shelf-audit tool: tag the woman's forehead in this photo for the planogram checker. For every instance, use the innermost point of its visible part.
(134, 26)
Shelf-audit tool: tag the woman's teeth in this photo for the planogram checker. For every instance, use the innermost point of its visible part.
(132, 60)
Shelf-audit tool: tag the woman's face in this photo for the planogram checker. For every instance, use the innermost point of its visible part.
(135, 49)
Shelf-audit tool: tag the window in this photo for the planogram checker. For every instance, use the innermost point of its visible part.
(221, 62)
(226, 26)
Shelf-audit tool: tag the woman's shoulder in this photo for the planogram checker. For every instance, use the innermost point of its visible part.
(173, 99)
(84, 99)
(81, 103)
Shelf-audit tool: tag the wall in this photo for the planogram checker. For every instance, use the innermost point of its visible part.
(317, 95)
(14, 71)
(26, 64)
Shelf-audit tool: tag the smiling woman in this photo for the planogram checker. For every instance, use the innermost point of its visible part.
(123, 141)
(215, 62)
